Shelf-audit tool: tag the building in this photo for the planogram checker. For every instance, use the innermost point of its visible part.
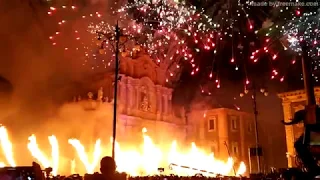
(144, 100)
(292, 102)
(227, 132)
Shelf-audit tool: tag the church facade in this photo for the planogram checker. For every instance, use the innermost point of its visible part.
(144, 101)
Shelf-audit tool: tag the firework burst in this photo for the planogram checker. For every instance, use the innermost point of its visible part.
(294, 25)
(171, 33)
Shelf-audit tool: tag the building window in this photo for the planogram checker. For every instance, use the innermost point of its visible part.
(234, 122)
(212, 124)
(235, 148)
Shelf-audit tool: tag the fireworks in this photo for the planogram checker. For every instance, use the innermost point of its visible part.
(171, 33)
(178, 35)
(175, 35)
(304, 28)
(294, 25)
(71, 34)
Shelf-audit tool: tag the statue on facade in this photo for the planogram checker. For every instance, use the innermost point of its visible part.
(100, 94)
(90, 95)
(145, 105)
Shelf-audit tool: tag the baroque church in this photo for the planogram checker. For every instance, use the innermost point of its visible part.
(143, 101)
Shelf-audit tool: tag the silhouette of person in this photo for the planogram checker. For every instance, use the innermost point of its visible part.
(38, 172)
(301, 148)
(108, 168)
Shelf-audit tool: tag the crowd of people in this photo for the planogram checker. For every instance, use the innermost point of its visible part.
(108, 172)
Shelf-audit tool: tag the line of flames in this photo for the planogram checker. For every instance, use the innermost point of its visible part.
(130, 161)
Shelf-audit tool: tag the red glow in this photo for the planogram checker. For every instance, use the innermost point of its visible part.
(281, 80)
(274, 57)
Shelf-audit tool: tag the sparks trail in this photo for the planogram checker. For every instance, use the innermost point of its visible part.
(174, 35)
(171, 33)
(72, 36)
(292, 26)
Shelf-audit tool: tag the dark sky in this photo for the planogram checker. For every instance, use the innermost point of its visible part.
(43, 77)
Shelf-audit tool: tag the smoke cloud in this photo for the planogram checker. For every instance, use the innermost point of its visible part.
(42, 76)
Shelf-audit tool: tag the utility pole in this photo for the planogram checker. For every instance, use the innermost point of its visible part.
(257, 147)
(255, 111)
(119, 40)
(308, 85)
(115, 98)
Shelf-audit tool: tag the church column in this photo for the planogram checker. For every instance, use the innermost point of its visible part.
(170, 103)
(165, 99)
(137, 97)
(159, 100)
(287, 111)
(123, 93)
(120, 94)
(152, 100)
(130, 97)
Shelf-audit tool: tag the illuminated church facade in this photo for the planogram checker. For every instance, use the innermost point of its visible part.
(143, 101)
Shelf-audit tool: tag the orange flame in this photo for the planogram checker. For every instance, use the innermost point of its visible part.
(145, 161)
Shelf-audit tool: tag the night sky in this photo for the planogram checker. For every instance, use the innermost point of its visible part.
(39, 78)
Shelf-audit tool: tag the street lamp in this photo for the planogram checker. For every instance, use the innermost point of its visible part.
(254, 90)
(119, 40)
